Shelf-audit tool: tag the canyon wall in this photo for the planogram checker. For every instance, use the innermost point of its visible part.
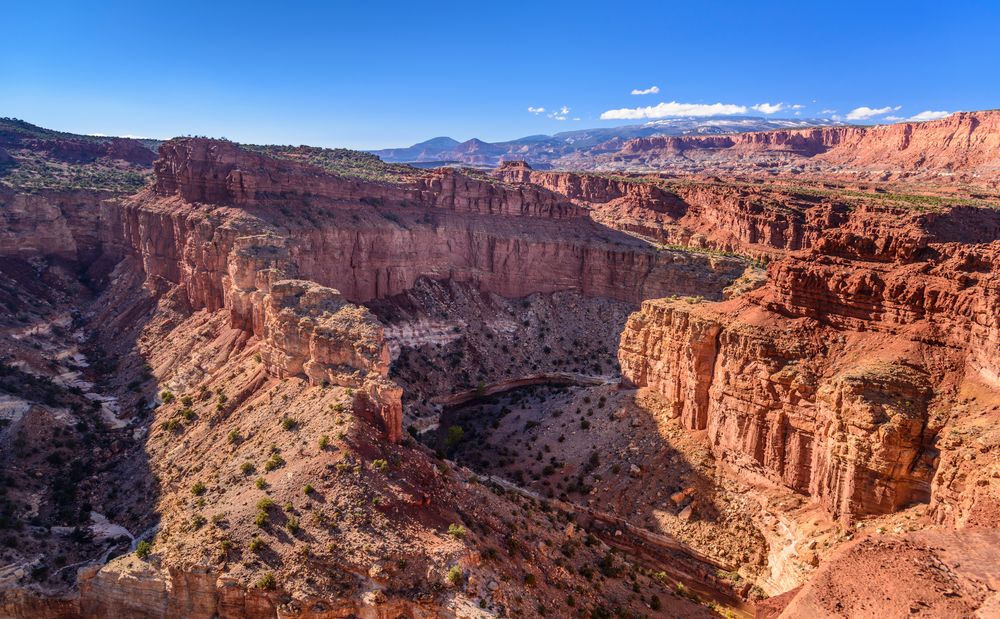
(964, 144)
(62, 223)
(752, 219)
(285, 247)
(836, 378)
(216, 172)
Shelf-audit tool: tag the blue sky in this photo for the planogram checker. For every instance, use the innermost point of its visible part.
(374, 74)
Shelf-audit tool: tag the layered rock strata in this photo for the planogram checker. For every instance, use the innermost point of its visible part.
(837, 377)
(962, 146)
(219, 223)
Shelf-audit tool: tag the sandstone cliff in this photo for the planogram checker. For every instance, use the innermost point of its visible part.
(217, 222)
(837, 377)
(963, 145)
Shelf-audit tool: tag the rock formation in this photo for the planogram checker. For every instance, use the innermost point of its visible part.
(233, 342)
(963, 145)
(837, 376)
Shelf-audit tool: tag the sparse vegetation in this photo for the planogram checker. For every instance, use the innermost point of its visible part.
(454, 576)
(268, 582)
(342, 162)
(274, 462)
(454, 437)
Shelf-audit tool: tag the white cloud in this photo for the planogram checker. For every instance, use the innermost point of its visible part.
(929, 115)
(828, 111)
(894, 118)
(652, 90)
(768, 108)
(797, 106)
(664, 110)
(864, 112)
(536, 110)
(560, 114)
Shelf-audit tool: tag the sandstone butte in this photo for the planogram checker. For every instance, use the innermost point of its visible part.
(216, 362)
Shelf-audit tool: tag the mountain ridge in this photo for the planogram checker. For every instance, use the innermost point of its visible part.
(539, 149)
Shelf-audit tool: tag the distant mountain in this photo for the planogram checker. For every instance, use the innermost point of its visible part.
(540, 150)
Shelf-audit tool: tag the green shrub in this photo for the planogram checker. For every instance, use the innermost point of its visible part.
(256, 545)
(143, 548)
(171, 425)
(324, 442)
(454, 437)
(289, 424)
(456, 530)
(166, 396)
(274, 462)
(292, 525)
(454, 575)
(308, 489)
(261, 483)
(380, 465)
(247, 468)
(198, 488)
(234, 437)
(267, 582)
(265, 504)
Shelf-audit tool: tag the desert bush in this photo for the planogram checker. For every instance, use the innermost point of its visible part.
(267, 582)
(454, 575)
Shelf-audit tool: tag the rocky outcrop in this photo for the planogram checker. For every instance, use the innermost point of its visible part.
(871, 454)
(312, 330)
(218, 172)
(855, 441)
(51, 223)
(593, 188)
(964, 144)
(749, 219)
(132, 588)
(836, 378)
(937, 573)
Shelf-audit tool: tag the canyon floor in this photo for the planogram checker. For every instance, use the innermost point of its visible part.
(749, 375)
